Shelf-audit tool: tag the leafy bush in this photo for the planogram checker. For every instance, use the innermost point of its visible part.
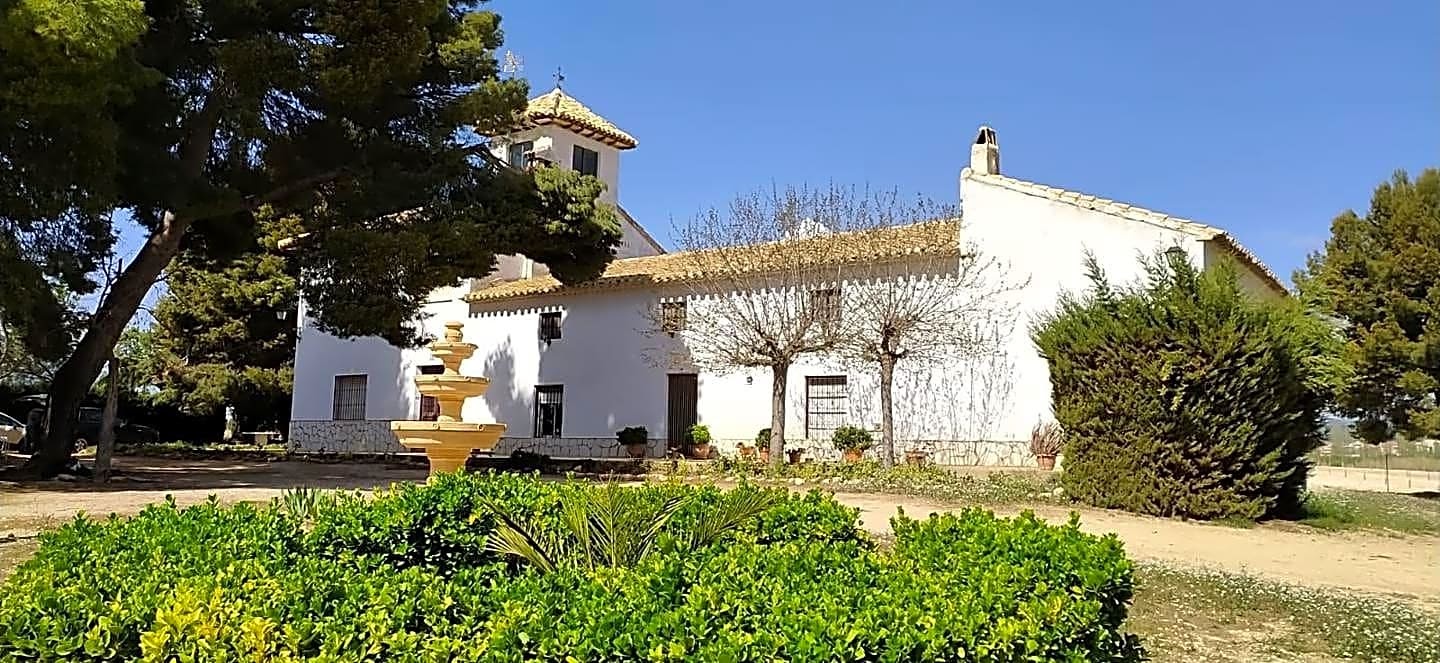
(1184, 396)
(852, 438)
(633, 435)
(211, 584)
(698, 434)
(762, 439)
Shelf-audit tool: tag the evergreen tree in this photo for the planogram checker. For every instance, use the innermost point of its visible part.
(361, 118)
(1379, 274)
(1184, 396)
(225, 334)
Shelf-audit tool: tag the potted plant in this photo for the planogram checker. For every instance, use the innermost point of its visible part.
(635, 439)
(762, 442)
(1046, 440)
(794, 455)
(699, 436)
(852, 441)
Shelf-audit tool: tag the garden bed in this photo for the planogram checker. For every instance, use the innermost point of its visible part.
(413, 574)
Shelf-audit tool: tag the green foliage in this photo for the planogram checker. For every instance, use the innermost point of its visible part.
(762, 439)
(633, 435)
(1380, 275)
(1184, 396)
(870, 476)
(210, 584)
(224, 332)
(362, 120)
(698, 434)
(852, 438)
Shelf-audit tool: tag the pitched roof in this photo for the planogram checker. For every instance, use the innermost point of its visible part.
(933, 238)
(556, 107)
(1136, 213)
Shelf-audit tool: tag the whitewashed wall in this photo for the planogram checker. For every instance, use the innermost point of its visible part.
(1045, 241)
(976, 411)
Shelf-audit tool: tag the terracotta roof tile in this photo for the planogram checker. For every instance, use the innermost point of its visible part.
(556, 107)
(1136, 213)
(935, 238)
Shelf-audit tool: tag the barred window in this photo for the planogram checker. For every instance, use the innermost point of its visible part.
(825, 305)
(549, 326)
(349, 400)
(827, 405)
(549, 410)
(672, 317)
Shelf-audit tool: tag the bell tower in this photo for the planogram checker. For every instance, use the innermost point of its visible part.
(559, 130)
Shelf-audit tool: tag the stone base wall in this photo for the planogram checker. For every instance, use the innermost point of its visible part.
(373, 436)
(365, 436)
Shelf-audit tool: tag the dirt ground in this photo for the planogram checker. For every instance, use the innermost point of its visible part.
(1373, 563)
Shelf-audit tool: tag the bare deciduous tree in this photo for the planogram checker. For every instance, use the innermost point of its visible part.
(761, 284)
(945, 304)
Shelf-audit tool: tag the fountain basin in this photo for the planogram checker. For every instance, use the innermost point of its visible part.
(448, 444)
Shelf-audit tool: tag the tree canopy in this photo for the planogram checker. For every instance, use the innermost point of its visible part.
(1379, 274)
(225, 334)
(363, 119)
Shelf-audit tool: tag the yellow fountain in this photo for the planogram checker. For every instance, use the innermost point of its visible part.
(448, 441)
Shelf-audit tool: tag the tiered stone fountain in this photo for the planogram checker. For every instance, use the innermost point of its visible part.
(448, 441)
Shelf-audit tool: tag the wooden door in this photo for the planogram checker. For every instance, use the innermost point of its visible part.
(681, 414)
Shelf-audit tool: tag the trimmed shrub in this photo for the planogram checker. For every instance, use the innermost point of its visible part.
(851, 438)
(1184, 396)
(801, 583)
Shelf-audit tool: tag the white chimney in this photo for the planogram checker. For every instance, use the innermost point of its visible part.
(985, 153)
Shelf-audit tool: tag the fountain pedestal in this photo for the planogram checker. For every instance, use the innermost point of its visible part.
(448, 441)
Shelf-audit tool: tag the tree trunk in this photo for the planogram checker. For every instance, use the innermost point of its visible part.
(106, 443)
(78, 372)
(778, 376)
(887, 410)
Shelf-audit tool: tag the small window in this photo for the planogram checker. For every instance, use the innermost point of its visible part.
(825, 305)
(349, 401)
(586, 161)
(549, 410)
(827, 405)
(549, 326)
(520, 154)
(672, 317)
(429, 407)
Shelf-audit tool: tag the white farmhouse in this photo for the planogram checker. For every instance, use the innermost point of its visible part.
(569, 366)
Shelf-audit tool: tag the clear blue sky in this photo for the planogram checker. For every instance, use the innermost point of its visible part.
(1264, 118)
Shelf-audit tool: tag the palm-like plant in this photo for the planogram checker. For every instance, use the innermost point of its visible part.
(617, 527)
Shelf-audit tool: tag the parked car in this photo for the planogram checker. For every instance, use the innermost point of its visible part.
(12, 432)
(87, 431)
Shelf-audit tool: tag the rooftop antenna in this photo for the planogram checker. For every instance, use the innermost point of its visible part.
(559, 77)
(513, 64)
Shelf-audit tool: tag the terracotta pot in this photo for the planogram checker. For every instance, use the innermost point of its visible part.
(1046, 461)
(852, 455)
(795, 455)
(765, 454)
(747, 452)
(636, 450)
(915, 458)
(701, 451)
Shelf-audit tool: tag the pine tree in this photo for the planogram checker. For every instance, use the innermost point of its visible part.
(1379, 275)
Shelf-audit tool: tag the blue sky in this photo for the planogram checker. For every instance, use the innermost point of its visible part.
(1264, 118)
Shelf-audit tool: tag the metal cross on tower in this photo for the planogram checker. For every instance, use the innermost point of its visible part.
(559, 77)
(513, 64)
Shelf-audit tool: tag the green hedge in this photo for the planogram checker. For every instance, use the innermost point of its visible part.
(1185, 396)
(404, 576)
